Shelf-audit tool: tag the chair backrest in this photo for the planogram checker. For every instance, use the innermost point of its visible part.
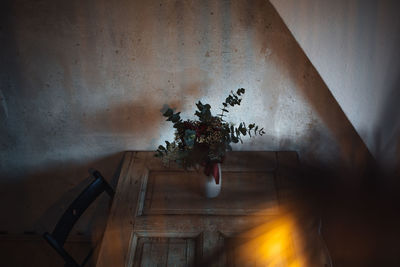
(80, 204)
(75, 210)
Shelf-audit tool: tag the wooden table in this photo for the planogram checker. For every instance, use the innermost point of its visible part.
(160, 217)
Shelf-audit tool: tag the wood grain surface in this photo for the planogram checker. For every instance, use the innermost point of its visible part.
(160, 216)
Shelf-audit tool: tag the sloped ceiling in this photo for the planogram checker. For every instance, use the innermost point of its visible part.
(354, 45)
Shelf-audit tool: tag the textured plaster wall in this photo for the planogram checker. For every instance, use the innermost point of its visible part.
(82, 81)
(354, 45)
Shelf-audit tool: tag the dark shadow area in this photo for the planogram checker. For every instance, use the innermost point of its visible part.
(44, 195)
(387, 132)
(47, 195)
(360, 226)
(34, 251)
(340, 224)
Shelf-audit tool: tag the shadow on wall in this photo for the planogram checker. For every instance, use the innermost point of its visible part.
(139, 118)
(387, 131)
(289, 56)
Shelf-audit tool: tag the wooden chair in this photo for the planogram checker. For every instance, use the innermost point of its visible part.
(64, 226)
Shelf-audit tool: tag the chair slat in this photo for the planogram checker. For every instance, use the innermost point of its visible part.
(74, 211)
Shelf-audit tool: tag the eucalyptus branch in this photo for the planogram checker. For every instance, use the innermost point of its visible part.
(232, 100)
(206, 139)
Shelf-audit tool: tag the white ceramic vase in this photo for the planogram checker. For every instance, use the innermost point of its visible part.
(212, 189)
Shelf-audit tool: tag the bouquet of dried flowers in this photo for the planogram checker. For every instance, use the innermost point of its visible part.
(206, 140)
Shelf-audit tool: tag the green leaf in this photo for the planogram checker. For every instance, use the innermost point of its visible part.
(199, 106)
(168, 113)
(175, 118)
(243, 131)
(237, 132)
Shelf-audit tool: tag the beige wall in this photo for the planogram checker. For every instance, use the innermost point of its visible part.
(354, 45)
(83, 81)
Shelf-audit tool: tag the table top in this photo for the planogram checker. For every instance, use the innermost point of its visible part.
(251, 184)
